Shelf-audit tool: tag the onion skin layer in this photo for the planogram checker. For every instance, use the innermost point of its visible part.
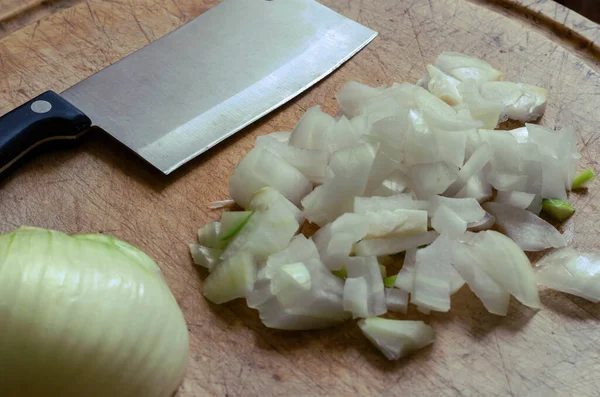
(86, 315)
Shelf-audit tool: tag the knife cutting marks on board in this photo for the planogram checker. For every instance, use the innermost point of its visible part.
(184, 93)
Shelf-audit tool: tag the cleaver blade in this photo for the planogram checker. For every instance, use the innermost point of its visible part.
(186, 92)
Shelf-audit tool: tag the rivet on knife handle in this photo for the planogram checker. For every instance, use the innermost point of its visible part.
(45, 118)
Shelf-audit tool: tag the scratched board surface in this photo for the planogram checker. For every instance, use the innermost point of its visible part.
(15, 14)
(97, 186)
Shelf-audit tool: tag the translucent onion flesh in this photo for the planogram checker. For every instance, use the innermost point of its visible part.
(392, 165)
(396, 338)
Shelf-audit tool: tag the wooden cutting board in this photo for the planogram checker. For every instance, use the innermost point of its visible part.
(14, 14)
(98, 186)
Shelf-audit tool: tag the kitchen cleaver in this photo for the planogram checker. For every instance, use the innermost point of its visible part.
(181, 95)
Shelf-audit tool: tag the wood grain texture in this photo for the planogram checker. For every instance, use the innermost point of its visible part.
(97, 186)
(14, 14)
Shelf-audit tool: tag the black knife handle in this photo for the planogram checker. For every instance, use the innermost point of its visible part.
(46, 117)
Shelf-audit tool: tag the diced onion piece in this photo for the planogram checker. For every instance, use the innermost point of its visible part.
(363, 205)
(393, 245)
(433, 178)
(570, 271)
(487, 222)
(335, 240)
(351, 168)
(394, 184)
(452, 215)
(390, 133)
(477, 187)
(536, 205)
(463, 67)
(558, 209)
(442, 85)
(334, 260)
(265, 233)
(445, 220)
(522, 102)
(532, 169)
(419, 145)
(368, 268)
(273, 315)
(352, 95)
(220, 204)
(473, 143)
(473, 167)
(396, 300)
(468, 209)
(424, 81)
(551, 185)
(314, 311)
(526, 229)
(232, 278)
(582, 180)
(435, 278)
(507, 265)
(396, 338)
(386, 164)
(399, 222)
(208, 235)
(232, 222)
(507, 181)
(505, 152)
(451, 146)
(281, 136)
(319, 307)
(380, 107)
(515, 198)
(205, 256)
(404, 94)
(342, 135)
(557, 152)
(494, 297)
(361, 124)
(290, 283)
(520, 134)
(438, 114)
(312, 130)
(350, 159)
(356, 297)
(486, 110)
(260, 168)
(405, 279)
(266, 197)
(311, 163)
(300, 249)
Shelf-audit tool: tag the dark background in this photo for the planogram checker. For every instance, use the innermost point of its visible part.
(587, 8)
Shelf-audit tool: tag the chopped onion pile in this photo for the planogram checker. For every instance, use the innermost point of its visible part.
(418, 169)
